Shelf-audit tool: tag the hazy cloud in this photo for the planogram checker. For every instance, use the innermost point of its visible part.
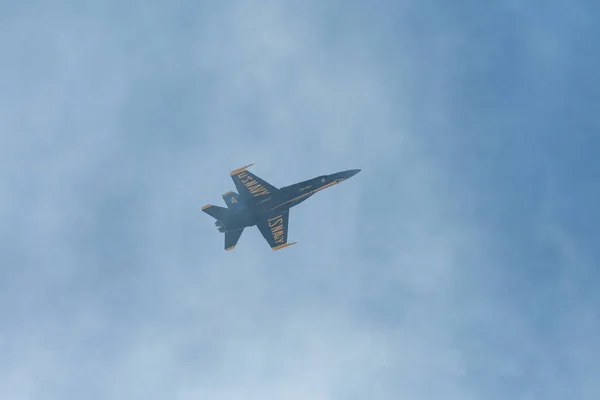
(417, 279)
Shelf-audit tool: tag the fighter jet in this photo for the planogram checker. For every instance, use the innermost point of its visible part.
(260, 203)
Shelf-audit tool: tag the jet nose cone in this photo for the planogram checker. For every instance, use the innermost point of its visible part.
(353, 172)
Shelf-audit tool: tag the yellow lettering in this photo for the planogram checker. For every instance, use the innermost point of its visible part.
(255, 187)
(277, 233)
(262, 192)
(275, 221)
(258, 190)
(263, 201)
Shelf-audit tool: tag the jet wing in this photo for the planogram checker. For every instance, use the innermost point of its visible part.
(250, 185)
(275, 230)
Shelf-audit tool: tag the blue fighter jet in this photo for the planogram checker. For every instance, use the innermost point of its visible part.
(260, 203)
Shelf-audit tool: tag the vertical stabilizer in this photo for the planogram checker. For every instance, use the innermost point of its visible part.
(233, 200)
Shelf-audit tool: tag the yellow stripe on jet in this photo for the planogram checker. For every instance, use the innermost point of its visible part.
(305, 194)
(225, 194)
(281, 246)
(237, 171)
(207, 206)
(230, 248)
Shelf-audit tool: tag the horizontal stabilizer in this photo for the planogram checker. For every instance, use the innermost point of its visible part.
(216, 211)
(231, 239)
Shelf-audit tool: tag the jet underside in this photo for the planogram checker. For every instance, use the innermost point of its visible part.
(260, 203)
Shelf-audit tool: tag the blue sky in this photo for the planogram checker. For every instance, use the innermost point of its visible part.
(460, 264)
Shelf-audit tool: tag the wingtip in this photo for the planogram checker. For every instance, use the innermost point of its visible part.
(283, 246)
(237, 171)
(230, 248)
(226, 194)
(206, 206)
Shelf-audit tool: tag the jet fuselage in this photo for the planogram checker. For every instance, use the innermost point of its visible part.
(259, 203)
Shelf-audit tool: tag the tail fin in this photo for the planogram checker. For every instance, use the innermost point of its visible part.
(231, 238)
(232, 199)
(216, 211)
